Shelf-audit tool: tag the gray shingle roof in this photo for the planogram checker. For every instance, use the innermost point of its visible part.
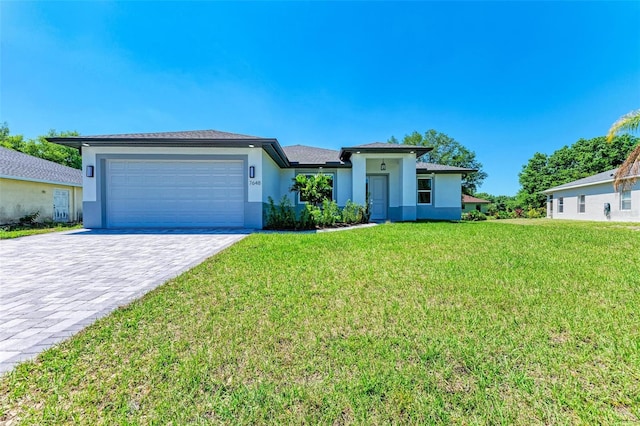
(190, 134)
(303, 154)
(589, 180)
(26, 167)
(433, 167)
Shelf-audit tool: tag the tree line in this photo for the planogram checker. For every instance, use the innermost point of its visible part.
(39, 147)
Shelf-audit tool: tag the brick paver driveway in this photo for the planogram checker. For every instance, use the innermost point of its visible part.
(53, 285)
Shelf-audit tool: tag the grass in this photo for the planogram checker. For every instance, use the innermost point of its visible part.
(5, 235)
(430, 323)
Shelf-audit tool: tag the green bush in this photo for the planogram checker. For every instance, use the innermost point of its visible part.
(474, 216)
(282, 216)
(537, 213)
(353, 213)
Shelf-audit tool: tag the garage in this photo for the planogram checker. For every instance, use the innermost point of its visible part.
(170, 193)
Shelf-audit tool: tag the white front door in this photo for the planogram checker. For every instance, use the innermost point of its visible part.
(377, 188)
(61, 205)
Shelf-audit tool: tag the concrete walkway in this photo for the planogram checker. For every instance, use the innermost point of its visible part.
(54, 285)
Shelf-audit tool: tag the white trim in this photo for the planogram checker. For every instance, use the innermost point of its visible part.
(50, 182)
(430, 190)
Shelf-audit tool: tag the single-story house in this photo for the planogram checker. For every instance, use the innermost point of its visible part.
(593, 198)
(470, 203)
(29, 184)
(210, 178)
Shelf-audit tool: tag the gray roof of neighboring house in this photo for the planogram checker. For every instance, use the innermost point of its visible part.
(14, 164)
(423, 167)
(603, 177)
(309, 155)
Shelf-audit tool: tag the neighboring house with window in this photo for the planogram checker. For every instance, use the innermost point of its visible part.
(593, 198)
(217, 179)
(470, 203)
(31, 185)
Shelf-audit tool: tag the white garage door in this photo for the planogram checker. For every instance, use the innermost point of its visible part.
(150, 193)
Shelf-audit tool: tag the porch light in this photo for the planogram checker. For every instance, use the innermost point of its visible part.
(252, 172)
(89, 171)
(383, 165)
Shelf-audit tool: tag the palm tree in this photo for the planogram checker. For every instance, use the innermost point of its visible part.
(628, 172)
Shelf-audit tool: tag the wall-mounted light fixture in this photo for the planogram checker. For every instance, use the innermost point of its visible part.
(252, 172)
(90, 171)
(383, 165)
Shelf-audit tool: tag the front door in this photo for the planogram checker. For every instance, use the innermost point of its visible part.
(377, 188)
(61, 205)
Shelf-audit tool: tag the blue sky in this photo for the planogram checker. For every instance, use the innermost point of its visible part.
(506, 79)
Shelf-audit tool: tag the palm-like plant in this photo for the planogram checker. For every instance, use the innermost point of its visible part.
(629, 170)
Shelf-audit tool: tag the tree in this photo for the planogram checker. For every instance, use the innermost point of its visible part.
(41, 148)
(449, 152)
(584, 158)
(313, 189)
(631, 165)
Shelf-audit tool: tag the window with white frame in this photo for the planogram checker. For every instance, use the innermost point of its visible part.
(424, 190)
(301, 199)
(625, 200)
(561, 205)
(581, 203)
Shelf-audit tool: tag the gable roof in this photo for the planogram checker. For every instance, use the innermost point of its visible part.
(604, 177)
(20, 166)
(299, 155)
(470, 199)
(423, 167)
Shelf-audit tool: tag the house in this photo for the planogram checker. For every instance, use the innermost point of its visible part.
(29, 185)
(470, 203)
(210, 178)
(593, 198)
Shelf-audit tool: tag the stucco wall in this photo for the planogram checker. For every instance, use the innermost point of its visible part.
(446, 198)
(472, 206)
(19, 198)
(595, 197)
(270, 179)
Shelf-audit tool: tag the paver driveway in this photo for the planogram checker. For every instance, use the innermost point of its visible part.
(53, 285)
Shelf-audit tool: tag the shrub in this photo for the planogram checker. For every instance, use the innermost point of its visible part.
(537, 213)
(330, 213)
(29, 219)
(474, 216)
(353, 213)
(282, 216)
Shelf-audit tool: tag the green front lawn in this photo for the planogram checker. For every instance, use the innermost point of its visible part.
(15, 233)
(406, 323)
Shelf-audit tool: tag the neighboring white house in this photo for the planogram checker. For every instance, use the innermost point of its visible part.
(217, 179)
(30, 185)
(593, 198)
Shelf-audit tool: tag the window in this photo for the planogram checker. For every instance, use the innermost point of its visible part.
(424, 190)
(561, 205)
(581, 206)
(625, 200)
(329, 175)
